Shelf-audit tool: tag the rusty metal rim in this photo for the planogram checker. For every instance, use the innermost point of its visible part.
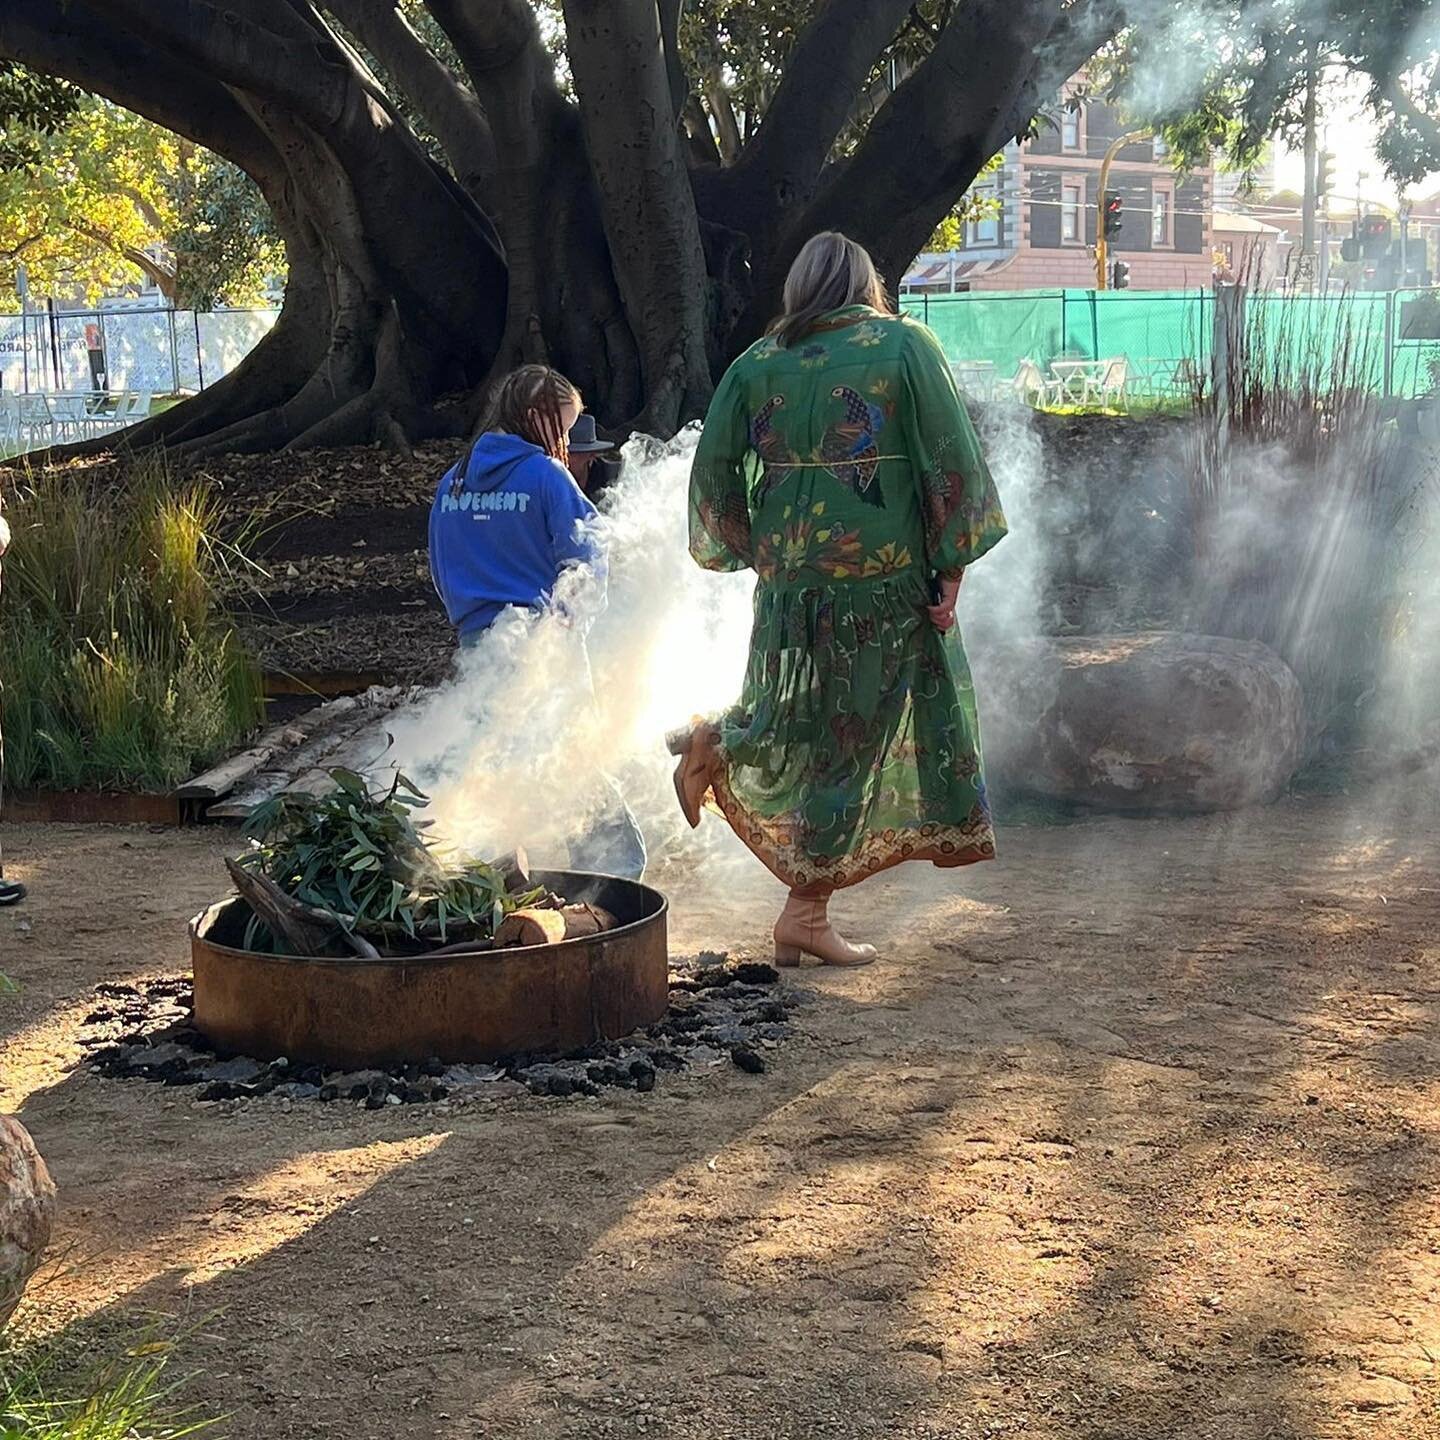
(351, 962)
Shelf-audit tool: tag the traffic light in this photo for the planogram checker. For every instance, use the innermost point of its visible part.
(1374, 236)
(1324, 173)
(1350, 248)
(1114, 208)
(1120, 275)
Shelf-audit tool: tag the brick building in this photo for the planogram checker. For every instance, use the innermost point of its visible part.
(1046, 193)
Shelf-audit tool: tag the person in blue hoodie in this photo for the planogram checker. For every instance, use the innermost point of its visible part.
(508, 520)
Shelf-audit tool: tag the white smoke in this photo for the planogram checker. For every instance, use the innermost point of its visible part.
(515, 749)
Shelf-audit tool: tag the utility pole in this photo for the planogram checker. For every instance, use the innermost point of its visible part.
(1307, 210)
(1102, 248)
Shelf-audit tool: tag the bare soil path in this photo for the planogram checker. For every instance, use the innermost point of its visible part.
(1132, 1135)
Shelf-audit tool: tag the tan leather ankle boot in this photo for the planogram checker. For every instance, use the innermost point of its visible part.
(692, 774)
(804, 928)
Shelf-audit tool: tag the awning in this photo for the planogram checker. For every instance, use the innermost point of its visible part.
(936, 270)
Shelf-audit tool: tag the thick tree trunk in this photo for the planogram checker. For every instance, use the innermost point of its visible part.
(601, 234)
(632, 138)
(397, 289)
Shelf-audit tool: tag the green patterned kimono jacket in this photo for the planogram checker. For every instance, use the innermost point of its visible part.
(845, 471)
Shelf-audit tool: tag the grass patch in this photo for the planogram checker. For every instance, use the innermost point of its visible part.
(121, 669)
(132, 1398)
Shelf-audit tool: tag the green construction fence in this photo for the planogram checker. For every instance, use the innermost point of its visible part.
(1386, 340)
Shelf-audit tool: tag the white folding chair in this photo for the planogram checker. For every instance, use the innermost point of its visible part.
(1032, 386)
(9, 423)
(37, 425)
(1109, 389)
(135, 407)
(70, 417)
(975, 377)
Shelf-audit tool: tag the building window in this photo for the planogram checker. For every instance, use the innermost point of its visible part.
(1071, 131)
(1072, 203)
(1162, 215)
(985, 228)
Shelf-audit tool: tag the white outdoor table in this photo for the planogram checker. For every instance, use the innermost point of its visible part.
(1077, 378)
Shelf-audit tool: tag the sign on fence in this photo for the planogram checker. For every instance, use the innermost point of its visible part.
(159, 350)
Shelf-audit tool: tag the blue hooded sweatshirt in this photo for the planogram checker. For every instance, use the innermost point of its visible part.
(502, 535)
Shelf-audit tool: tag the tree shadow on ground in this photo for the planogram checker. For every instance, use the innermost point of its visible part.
(1124, 1146)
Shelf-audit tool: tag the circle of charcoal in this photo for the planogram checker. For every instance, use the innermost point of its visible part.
(718, 1009)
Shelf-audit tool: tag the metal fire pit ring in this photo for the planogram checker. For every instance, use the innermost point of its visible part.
(482, 1006)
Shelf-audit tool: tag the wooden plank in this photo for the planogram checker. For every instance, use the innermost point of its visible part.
(352, 726)
(223, 778)
(322, 682)
(318, 754)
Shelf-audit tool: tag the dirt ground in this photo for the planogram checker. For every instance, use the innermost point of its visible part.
(1132, 1135)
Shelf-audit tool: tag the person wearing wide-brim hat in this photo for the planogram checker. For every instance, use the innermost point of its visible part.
(585, 447)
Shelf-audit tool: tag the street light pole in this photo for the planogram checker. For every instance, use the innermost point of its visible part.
(1102, 249)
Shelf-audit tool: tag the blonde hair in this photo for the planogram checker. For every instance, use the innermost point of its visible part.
(831, 271)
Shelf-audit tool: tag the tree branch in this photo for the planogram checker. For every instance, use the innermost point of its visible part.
(16, 251)
(670, 12)
(83, 45)
(618, 62)
(826, 70)
(1427, 125)
(893, 191)
(1081, 31)
(160, 275)
(448, 105)
(703, 149)
(727, 127)
(148, 213)
(307, 75)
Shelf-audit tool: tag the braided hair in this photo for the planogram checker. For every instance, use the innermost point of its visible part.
(527, 403)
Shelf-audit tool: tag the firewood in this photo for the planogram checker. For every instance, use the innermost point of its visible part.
(307, 929)
(536, 926)
(514, 870)
(584, 919)
(531, 927)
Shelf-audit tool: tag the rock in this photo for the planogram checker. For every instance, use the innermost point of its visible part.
(748, 1060)
(239, 1071)
(1373, 1392)
(462, 1079)
(27, 1211)
(1151, 723)
(356, 1084)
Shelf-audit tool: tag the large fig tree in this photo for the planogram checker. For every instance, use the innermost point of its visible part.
(615, 186)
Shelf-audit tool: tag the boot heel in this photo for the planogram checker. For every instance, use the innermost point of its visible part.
(787, 955)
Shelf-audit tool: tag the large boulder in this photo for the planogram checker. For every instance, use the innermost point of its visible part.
(27, 1209)
(1150, 723)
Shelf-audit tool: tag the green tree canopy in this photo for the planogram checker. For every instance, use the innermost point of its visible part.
(93, 197)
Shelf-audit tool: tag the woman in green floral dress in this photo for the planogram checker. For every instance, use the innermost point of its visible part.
(838, 462)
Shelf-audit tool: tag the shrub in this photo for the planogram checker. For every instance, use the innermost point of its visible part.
(1304, 506)
(120, 668)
